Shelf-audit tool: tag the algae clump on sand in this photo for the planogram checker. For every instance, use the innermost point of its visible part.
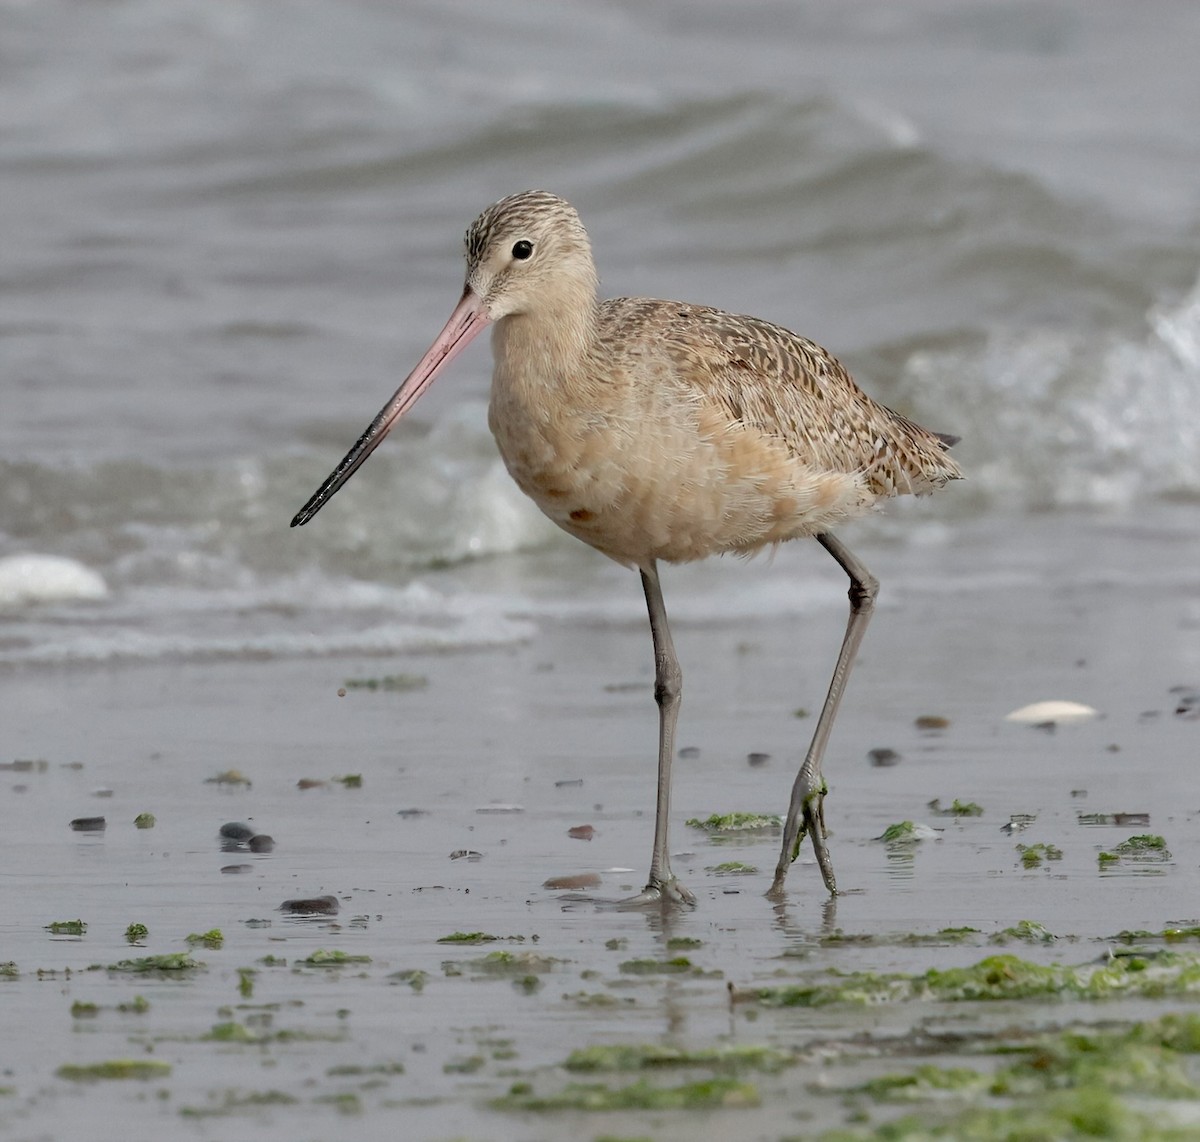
(115, 1069)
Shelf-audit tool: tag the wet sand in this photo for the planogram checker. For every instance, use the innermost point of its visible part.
(1101, 611)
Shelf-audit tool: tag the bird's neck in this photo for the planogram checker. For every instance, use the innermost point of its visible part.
(548, 345)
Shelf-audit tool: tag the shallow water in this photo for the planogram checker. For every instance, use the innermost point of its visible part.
(561, 726)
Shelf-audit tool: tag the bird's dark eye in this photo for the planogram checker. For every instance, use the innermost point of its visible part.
(522, 250)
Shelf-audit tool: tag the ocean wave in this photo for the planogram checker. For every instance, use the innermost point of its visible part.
(34, 578)
(1057, 418)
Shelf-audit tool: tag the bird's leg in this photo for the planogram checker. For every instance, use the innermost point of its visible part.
(668, 689)
(806, 811)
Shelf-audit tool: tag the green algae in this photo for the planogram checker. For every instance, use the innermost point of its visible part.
(732, 868)
(640, 1095)
(1033, 855)
(654, 1056)
(737, 822)
(996, 977)
(925, 1081)
(467, 938)
(167, 962)
(414, 977)
(145, 821)
(942, 936)
(1143, 843)
(135, 933)
(1191, 932)
(233, 1102)
(355, 1070)
(1026, 931)
(213, 939)
(1143, 847)
(954, 935)
(479, 938)
(232, 1032)
(504, 963)
(956, 808)
(466, 1065)
(901, 833)
(676, 965)
(392, 682)
(344, 1102)
(1070, 1116)
(141, 1069)
(66, 927)
(1061, 1085)
(331, 959)
(599, 999)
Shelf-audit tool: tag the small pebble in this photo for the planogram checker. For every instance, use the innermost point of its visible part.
(311, 906)
(580, 880)
(233, 869)
(581, 832)
(310, 783)
(883, 756)
(1187, 702)
(466, 854)
(757, 759)
(931, 722)
(261, 843)
(500, 808)
(571, 782)
(412, 812)
(689, 751)
(236, 831)
(88, 824)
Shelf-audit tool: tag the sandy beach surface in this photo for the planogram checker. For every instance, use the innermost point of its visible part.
(231, 228)
(501, 752)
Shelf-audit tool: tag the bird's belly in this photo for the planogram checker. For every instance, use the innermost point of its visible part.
(640, 491)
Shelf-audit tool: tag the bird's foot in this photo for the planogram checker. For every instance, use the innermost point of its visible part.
(809, 821)
(666, 890)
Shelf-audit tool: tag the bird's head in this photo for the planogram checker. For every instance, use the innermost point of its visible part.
(529, 251)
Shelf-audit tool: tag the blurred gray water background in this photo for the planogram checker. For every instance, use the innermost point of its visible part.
(231, 226)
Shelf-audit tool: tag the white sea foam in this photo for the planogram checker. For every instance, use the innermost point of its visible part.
(33, 578)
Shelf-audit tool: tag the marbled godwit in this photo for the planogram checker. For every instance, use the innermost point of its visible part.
(658, 430)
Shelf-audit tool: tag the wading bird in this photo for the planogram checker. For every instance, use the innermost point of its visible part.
(662, 431)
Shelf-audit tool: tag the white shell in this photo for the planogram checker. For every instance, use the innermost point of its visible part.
(1058, 712)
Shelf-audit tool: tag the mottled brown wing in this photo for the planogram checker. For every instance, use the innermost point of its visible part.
(788, 387)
